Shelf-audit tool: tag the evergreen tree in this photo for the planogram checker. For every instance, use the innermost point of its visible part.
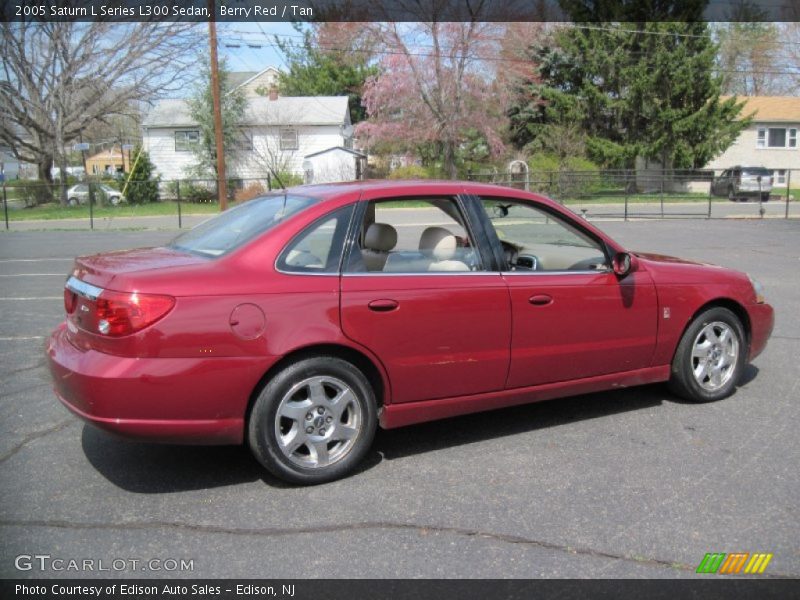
(141, 186)
(636, 89)
(201, 108)
(326, 67)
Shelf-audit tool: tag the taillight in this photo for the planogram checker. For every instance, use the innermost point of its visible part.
(119, 313)
(70, 298)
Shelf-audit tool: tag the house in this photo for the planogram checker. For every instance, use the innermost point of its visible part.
(334, 164)
(770, 141)
(253, 83)
(277, 134)
(109, 162)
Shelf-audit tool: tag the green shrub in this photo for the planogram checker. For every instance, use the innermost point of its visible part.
(33, 192)
(288, 179)
(141, 186)
(410, 172)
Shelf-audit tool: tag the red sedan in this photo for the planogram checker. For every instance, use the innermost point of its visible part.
(299, 321)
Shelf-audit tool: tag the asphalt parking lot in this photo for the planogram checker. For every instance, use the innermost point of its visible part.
(630, 483)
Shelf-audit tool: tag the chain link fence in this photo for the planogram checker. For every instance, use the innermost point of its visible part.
(606, 194)
(663, 194)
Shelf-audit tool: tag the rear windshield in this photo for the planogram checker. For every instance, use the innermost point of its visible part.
(755, 171)
(238, 225)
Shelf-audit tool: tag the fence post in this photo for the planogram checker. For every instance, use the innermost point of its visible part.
(788, 190)
(710, 187)
(178, 193)
(5, 204)
(663, 175)
(627, 191)
(91, 207)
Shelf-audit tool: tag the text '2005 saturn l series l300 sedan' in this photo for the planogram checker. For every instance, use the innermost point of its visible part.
(299, 321)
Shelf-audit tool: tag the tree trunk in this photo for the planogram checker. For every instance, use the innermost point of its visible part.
(449, 159)
(44, 191)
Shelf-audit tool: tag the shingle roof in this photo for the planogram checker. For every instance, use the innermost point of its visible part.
(237, 78)
(771, 108)
(286, 110)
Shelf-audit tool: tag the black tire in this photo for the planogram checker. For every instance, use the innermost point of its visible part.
(263, 439)
(683, 382)
(765, 197)
(732, 195)
(73, 202)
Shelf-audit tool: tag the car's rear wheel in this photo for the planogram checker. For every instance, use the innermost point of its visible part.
(764, 196)
(114, 200)
(314, 421)
(732, 194)
(710, 357)
(73, 201)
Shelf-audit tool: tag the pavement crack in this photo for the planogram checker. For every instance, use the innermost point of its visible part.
(35, 436)
(364, 526)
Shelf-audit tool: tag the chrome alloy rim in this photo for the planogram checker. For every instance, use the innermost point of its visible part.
(317, 422)
(714, 355)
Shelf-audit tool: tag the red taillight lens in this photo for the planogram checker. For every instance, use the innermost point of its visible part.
(118, 313)
(70, 298)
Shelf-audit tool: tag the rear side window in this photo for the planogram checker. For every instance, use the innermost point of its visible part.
(318, 249)
(239, 225)
(756, 171)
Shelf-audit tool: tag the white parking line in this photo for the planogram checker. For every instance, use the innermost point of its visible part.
(21, 338)
(33, 298)
(33, 275)
(8, 260)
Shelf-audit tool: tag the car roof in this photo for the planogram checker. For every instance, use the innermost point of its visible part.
(330, 190)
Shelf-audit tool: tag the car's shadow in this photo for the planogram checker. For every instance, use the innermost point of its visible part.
(161, 468)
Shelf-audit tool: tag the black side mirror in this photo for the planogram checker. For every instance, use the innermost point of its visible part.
(622, 264)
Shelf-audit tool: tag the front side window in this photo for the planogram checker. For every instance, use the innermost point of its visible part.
(318, 249)
(414, 235)
(185, 141)
(239, 225)
(536, 240)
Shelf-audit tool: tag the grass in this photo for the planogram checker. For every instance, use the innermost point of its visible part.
(50, 212)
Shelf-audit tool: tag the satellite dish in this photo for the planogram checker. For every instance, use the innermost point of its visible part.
(347, 130)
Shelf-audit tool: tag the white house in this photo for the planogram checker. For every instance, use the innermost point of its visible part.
(770, 141)
(277, 134)
(334, 164)
(254, 83)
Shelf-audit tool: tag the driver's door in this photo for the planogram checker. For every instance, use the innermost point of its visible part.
(571, 317)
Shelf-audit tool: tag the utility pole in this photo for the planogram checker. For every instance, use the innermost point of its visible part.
(222, 188)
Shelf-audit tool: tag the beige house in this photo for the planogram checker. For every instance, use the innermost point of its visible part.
(771, 140)
(253, 83)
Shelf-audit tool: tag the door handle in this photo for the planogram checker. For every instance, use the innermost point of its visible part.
(540, 299)
(383, 305)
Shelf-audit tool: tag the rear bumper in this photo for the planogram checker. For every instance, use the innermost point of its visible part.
(762, 321)
(175, 400)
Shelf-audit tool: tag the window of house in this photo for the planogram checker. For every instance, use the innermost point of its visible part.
(185, 141)
(776, 137)
(779, 176)
(761, 142)
(288, 139)
(243, 140)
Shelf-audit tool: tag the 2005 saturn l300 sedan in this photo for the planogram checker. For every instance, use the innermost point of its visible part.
(299, 321)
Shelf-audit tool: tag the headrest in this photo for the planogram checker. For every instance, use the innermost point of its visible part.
(380, 237)
(438, 243)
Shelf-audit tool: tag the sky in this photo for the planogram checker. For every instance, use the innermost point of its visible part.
(246, 57)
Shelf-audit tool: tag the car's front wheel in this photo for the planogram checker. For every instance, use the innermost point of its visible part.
(710, 357)
(313, 421)
(73, 202)
(732, 194)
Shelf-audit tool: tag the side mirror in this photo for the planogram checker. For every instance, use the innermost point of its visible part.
(622, 264)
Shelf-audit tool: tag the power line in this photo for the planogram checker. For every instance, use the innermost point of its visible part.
(498, 59)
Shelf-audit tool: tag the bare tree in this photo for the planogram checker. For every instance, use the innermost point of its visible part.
(60, 78)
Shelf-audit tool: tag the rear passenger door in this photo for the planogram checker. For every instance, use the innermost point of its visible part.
(419, 293)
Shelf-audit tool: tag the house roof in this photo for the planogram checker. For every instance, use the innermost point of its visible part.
(286, 110)
(771, 108)
(247, 77)
(342, 148)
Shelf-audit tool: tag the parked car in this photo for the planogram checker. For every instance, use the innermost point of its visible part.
(739, 183)
(299, 321)
(79, 194)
